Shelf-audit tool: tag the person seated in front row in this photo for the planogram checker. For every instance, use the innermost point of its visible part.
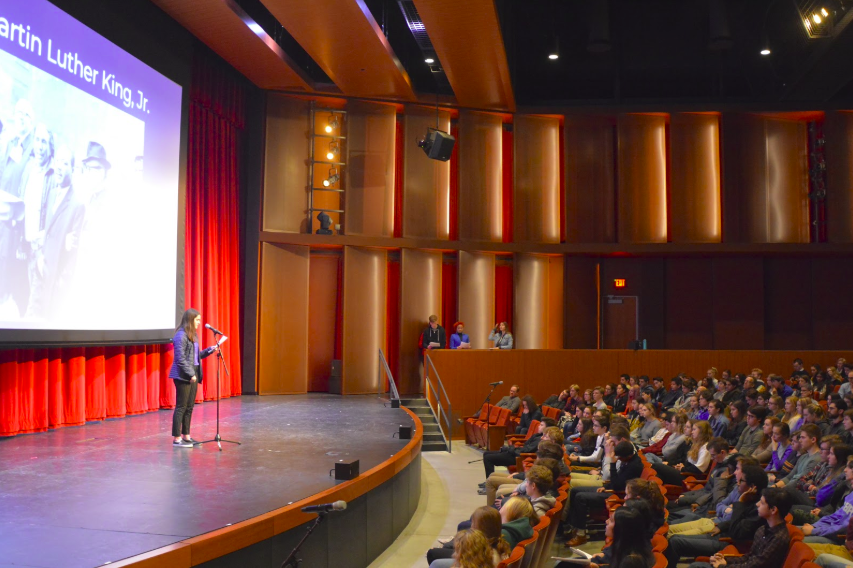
(631, 548)
(507, 455)
(771, 542)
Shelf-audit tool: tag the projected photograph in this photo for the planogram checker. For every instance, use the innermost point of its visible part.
(72, 201)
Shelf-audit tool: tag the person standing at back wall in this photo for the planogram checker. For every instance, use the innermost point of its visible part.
(501, 336)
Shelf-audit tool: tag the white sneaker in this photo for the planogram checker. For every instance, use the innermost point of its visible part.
(182, 444)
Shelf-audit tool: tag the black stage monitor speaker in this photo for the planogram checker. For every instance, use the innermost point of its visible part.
(346, 470)
(405, 432)
(395, 403)
(437, 145)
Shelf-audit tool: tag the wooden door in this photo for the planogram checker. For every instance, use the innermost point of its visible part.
(619, 321)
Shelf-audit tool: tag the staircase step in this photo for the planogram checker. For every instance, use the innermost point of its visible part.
(433, 437)
(433, 447)
(430, 428)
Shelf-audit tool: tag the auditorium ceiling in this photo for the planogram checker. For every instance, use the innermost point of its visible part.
(503, 54)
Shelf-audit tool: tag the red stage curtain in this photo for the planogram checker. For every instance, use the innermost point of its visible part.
(507, 185)
(448, 297)
(503, 294)
(392, 319)
(49, 388)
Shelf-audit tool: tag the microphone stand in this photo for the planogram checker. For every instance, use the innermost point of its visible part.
(220, 362)
(291, 561)
(487, 401)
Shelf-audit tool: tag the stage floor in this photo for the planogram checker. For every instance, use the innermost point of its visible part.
(87, 495)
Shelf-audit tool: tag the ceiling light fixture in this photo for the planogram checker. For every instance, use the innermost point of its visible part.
(333, 124)
(333, 150)
(816, 18)
(553, 56)
(429, 60)
(765, 51)
(824, 12)
(332, 179)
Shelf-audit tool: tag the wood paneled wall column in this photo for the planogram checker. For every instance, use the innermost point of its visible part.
(538, 317)
(426, 190)
(420, 297)
(589, 149)
(369, 198)
(738, 303)
(536, 188)
(322, 317)
(480, 176)
(365, 279)
(694, 189)
(642, 178)
(765, 175)
(285, 171)
(283, 320)
(477, 296)
(838, 130)
(580, 327)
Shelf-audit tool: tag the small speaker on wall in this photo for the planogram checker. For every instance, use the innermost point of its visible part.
(437, 145)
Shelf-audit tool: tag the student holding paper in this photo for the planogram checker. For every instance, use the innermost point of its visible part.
(460, 340)
(434, 336)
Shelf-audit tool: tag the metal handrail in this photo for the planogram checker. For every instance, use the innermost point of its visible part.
(395, 395)
(445, 415)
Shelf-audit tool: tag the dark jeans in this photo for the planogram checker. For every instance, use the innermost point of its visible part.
(491, 459)
(691, 546)
(185, 392)
(582, 500)
(671, 476)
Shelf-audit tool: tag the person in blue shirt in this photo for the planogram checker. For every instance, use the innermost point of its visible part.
(778, 387)
(460, 340)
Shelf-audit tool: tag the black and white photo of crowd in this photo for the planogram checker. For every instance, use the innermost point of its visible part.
(62, 204)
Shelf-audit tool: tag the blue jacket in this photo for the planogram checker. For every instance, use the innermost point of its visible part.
(455, 340)
(837, 521)
(183, 365)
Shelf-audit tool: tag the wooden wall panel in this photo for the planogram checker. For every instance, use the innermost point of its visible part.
(480, 176)
(787, 304)
(580, 327)
(642, 178)
(689, 303)
(787, 182)
(426, 189)
(832, 303)
(477, 296)
(322, 303)
(283, 320)
(371, 133)
(466, 374)
(420, 297)
(536, 186)
(538, 317)
(365, 278)
(838, 129)
(286, 150)
(694, 187)
(765, 180)
(590, 185)
(738, 303)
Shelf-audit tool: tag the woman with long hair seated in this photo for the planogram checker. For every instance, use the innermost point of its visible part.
(649, 426)
(471, 549)
(530, 412)
(628, 527)
(698, 457)
(485, 520)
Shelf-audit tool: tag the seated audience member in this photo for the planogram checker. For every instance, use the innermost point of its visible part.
(539, 482)
(817, 486)
(529, 412)
(631, 547)
(733, 392)
(674, 448)
(609, 394)
(583, 440)
(518, 520)
(827, 529)
(472, 550)
(698, 458)
(488, 522)
(776, 407)
(584, 499)
(703, 498)
(573, 401)
(507, 454)
(779, 388)
(781, 449)
(672, 394)
(658, 441)
(772, 540)
(598, 477)
(500, 484)
(737, 422)
(598, 399)
(751, 436)
(557, 400)
(649, 427)
(809, 448)
(740, 527)
(835, 555)
(717, 418)
(511, 401)
(764, 450)
(688, 387)
(792, 414)
(600, 428)
(705, 399)
(521, 489)
(814, 414)
(620, 400)
(836, 409)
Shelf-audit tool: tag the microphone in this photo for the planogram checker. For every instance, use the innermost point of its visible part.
(213, 329)
(336, 506)
(496, 384)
